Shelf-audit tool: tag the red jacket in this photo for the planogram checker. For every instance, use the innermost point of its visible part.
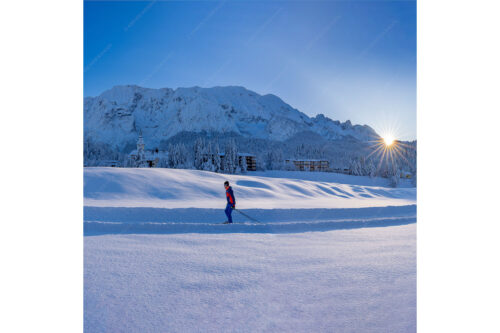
(230, 196)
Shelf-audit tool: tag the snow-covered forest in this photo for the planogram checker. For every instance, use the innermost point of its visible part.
(192, 151)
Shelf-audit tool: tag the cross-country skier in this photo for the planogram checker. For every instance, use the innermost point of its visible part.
(231, 202)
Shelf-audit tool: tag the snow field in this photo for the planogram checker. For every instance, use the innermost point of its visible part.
(361, 280)
(330, 253)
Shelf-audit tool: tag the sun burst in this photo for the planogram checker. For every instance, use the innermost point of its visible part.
(388, 140)
(387, 152)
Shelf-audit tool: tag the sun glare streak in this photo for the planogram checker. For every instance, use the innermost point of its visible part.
(387, 151)
(388, 140)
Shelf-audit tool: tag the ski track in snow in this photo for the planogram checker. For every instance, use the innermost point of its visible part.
(121, 200)
(116, 220)
(331, 253)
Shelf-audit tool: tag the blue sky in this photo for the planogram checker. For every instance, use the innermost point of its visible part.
(346, 59)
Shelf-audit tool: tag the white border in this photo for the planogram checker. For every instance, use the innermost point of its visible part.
(458, 223)
(41, 131)
(41, 166)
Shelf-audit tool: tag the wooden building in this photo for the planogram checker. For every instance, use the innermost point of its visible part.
(250, 159)
(110, 163)
(310, 165)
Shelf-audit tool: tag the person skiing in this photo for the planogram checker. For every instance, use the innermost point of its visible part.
(231, 202)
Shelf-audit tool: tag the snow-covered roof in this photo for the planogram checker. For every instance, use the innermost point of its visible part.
(306, 160)
(239, 154)
(151, 154)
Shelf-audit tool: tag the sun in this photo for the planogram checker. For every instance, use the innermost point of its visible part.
(387, 152)
(388, 140)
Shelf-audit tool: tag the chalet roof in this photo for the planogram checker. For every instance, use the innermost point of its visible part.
(306, 160)
(240, 154)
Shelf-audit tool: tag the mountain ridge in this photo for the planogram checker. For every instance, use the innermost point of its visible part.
(118, 114)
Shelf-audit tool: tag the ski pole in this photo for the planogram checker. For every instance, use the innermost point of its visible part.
(251, 218)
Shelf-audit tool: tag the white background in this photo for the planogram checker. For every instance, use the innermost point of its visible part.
(41, 245)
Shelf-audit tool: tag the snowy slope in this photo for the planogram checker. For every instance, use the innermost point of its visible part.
(179, 188)
(117, 115)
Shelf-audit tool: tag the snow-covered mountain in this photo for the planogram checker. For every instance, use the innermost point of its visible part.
(117, 115)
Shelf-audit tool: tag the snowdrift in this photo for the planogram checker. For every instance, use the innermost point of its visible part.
(124, 201)
(177, 188)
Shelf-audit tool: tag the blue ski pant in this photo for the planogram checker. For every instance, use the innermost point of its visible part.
(228, 212)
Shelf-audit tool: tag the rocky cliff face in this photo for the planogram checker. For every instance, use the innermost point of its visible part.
(116, 116)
